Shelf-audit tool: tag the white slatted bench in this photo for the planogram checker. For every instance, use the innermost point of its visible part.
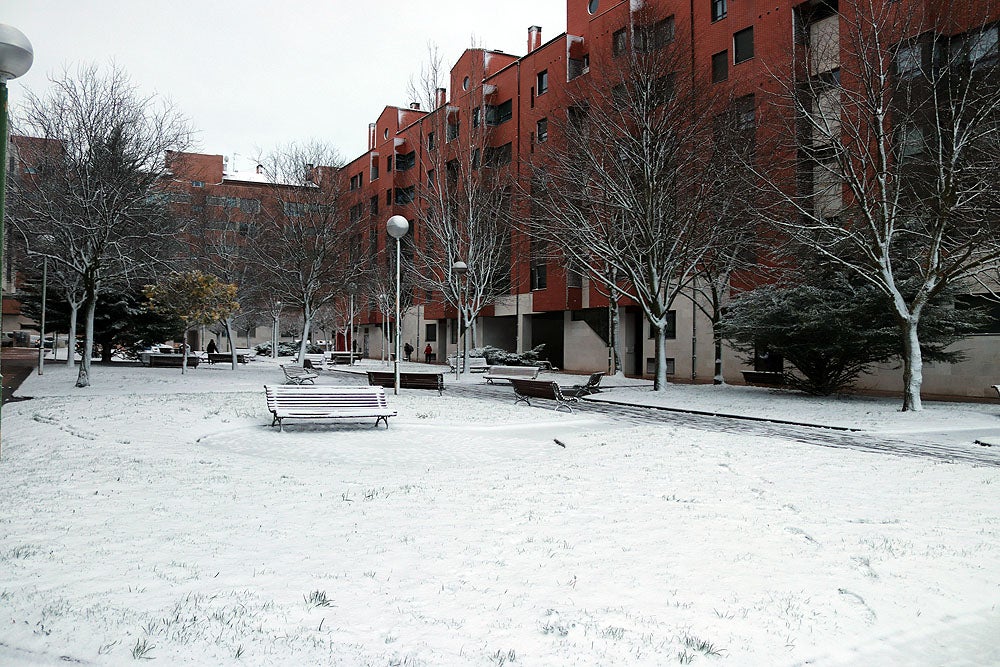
(298, 375)
(511, 372)
(525, 390)
(476, 364)
(296, 402)
(316, 360)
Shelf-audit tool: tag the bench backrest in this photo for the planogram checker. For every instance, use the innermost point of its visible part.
(295, 397)
(537, 388)
(529, 372)
(595, 380)
(412, 379)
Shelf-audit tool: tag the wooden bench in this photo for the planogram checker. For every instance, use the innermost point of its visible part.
(347, 358)
(525, 390)
(764, 378)
(298, 375)
(168, 360)
(287, 402)
(225, 358)
(511, 372)
(408, 380)
(476, 364)
(592, 386)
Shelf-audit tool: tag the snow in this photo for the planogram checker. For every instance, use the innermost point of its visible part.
(158, 515)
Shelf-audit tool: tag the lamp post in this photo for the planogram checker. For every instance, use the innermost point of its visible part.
(396, 227)
(16, 57)
(275, 317)
(459, 268)
(41, 333)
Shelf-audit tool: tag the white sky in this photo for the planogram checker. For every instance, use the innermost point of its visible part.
(255, 74)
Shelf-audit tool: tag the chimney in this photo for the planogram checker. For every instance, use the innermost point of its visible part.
(534, 38)
(415, 106)
(440, 95)
(371, 136)
(260, 169)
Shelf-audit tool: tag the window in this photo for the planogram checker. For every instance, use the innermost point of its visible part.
(293, 208)
(539, 277)
(981, 48)
(646, 38)
(908, 60)
(355, 212)
(453, 170)
(430, 178)
(430, 141)
(388, 164)
(373, 206)
(500, 113)
(542, 130)
(743, 45)
(406, 161)
(911, 143)
(577, 67)
(669, 365)
(542, 82)
(374, 174)
(593, 5)
(356, 182)
(404, 195)
(719, 9)
(431, 332)
(453, 129)
(476, 114)
(663, 89)
(745, 110)
(250, 205)
(618, 44)
(496, 157)
(720, 66)
(465, 83)
(388, 197)
(670, 327)
(197, 184)
(476, 158)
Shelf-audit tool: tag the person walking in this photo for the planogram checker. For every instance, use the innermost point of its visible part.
(427, 353)
(408, 350)
(212, 347)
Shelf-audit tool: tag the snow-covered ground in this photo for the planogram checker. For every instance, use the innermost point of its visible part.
(156, 515)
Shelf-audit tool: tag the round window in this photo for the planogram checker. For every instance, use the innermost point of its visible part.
(385, 133)
(593, 5)
(465, 83)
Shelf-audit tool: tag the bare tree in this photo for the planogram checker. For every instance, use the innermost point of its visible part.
(305, 239)
(623, 186)
(221, 238)
(463, 210)
(894, 153)
(99, 156)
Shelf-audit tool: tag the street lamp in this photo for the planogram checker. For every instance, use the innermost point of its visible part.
(459, 268)
(16, 56)
(396, 227)
(275, 317)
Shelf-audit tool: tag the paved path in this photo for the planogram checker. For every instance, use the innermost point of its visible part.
(17, 364)
(918, 444)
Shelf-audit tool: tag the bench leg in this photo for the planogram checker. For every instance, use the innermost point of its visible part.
(381, 419)
(520, 397)
(564, 404)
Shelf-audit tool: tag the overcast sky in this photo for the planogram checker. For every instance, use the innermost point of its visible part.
(254, 74)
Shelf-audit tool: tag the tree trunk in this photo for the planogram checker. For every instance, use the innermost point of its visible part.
(913, 365)
(228, 324)
(184, 351)
(306, 331)
(83, 376)
(660, 380)
(717, 342)
(74, 308)
(615, 333)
